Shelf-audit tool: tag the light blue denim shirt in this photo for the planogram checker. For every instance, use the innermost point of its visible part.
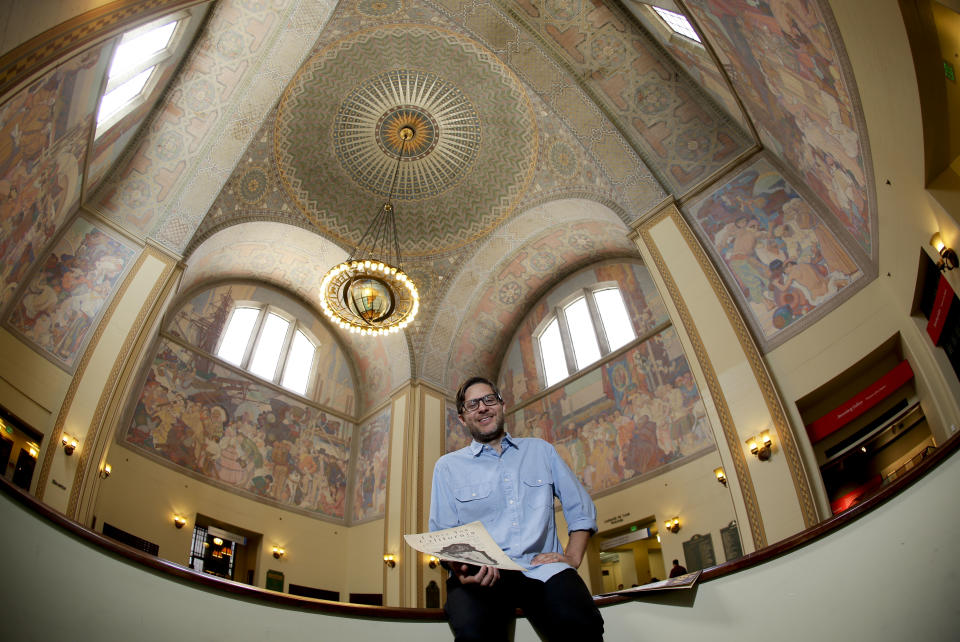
(512, 493)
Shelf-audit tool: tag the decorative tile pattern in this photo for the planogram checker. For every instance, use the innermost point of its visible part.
(343, 90)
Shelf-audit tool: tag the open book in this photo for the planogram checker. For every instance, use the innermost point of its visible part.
(468, 544)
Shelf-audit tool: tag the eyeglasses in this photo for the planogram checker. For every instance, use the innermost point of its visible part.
(488, 400)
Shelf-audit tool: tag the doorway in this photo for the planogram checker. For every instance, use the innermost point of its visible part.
(629, 555)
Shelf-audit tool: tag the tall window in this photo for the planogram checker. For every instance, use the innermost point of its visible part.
(269, 343)
(134, 68)
(587, 326)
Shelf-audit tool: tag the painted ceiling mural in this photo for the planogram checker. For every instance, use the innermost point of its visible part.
(790, 70)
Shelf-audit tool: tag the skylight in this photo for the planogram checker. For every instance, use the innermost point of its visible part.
(678, 22)
(133, 64)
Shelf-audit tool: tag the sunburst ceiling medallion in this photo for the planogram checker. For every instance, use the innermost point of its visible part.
(471, 157)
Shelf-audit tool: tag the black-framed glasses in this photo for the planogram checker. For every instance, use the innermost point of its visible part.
(488, 400)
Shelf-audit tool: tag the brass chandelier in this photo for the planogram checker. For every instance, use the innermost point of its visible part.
(369, 294)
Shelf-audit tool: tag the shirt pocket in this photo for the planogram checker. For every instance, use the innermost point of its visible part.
(475, 502)
(538, 491)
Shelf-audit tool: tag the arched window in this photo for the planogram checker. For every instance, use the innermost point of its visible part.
(269, 342)
(586, 326)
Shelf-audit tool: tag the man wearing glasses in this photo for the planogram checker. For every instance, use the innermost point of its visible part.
(509, 484)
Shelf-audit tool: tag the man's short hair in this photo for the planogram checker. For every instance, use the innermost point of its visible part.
(676, 562)
(462, 392)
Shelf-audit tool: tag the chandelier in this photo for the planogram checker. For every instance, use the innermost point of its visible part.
(368, 293)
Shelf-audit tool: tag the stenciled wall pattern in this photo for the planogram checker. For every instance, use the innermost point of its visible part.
(785, 263)
(370, 480)
(626, 420)
(228, 429)
(63, 302)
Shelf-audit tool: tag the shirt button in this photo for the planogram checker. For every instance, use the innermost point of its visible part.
(539, 481)
(511, 501)
(474, 494)
(514, 523)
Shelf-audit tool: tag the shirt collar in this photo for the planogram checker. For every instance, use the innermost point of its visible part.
(476, 447)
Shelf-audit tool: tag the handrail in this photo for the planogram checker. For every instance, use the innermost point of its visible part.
(182, 573)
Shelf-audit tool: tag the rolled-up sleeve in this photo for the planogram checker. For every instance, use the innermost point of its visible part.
(578, 508)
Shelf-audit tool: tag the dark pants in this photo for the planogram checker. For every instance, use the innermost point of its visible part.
(559, 609)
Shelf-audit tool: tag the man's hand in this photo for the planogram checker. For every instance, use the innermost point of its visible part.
(486, 576)
(576, 547)
(547, 558)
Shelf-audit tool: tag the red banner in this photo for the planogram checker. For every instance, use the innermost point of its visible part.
(861, 402)
(941, 306)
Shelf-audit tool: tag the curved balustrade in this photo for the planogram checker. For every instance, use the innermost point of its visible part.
(884, 574)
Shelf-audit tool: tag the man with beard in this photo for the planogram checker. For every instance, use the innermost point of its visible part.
(509, 485)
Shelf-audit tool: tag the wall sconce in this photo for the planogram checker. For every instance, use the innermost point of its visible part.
(33, 449)
(278, 552)
(948, 257)
(434, 561)
(105, 471)
(721, 476)
(761, 445)
(179, 521)
(69, 443)
(390, 560)
(672, 525)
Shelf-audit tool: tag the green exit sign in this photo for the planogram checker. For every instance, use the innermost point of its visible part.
(949, 71)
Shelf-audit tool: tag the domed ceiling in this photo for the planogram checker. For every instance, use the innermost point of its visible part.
(472, 155)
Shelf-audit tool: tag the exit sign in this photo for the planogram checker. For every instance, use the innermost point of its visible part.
(949, 72)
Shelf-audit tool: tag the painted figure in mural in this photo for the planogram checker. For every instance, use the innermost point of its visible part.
(509, 484)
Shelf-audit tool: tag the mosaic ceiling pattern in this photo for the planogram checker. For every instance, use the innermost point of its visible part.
(336, 137)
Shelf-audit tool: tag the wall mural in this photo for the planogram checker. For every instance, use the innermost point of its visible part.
(797, 95)
(201, 320)
(518, 378)
(65, 300)
(209, 421)
(785, 261)
(370, 481)
(626, 420)
(43, 146)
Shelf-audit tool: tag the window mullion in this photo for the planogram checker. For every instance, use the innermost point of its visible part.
(254, 338)
(597, 323)
(568, 353)
(285, 351)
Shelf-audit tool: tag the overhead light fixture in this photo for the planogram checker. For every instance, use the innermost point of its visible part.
(369, 293)
(761, 445)
(672, 525)
(721, 476)
(948, 257)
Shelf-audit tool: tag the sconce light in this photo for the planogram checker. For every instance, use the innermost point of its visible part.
(390, 560)
(278, 552)
(672, 525)
(105, 471)
(33, 449)
(948, 257)
(434, 561)
(179, 521)
(721, 476)
(761, 445)
(69, 443)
